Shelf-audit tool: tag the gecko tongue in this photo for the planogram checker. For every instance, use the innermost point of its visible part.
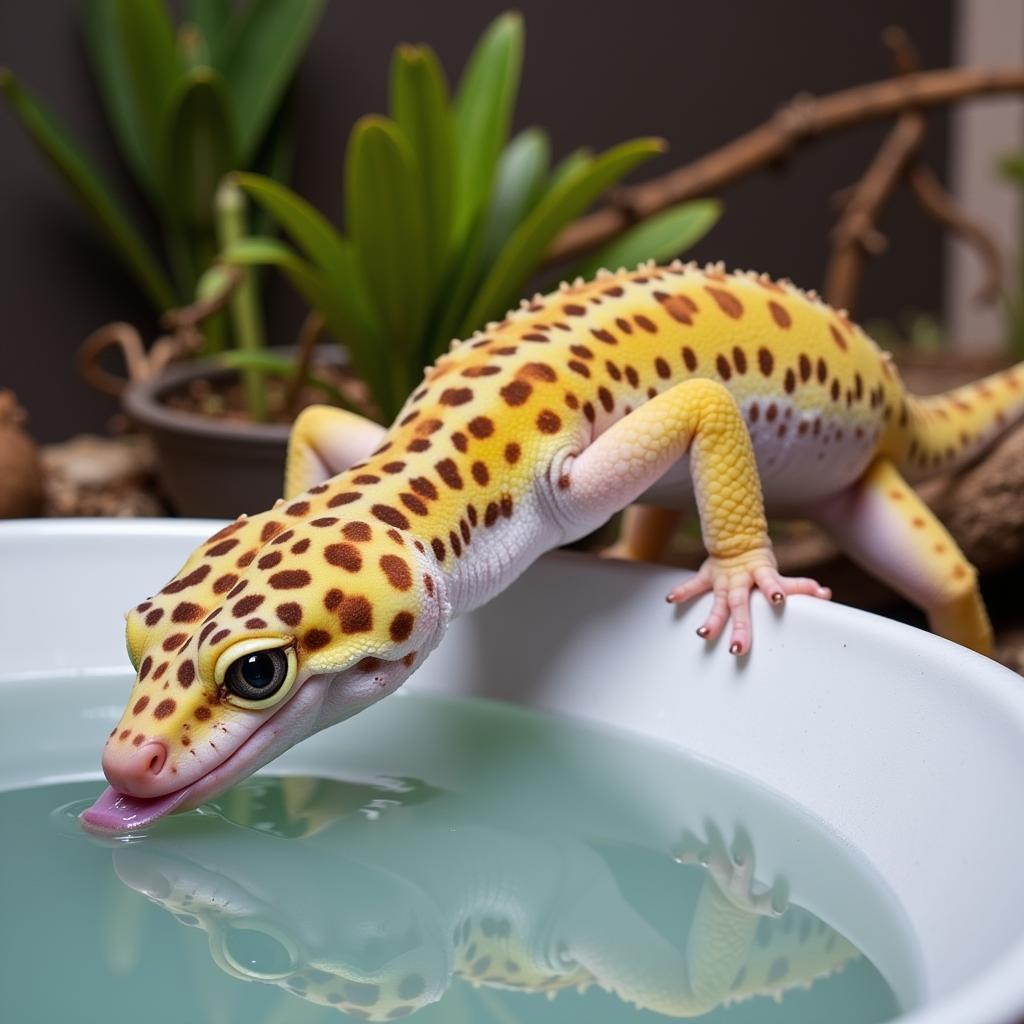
(119, 812)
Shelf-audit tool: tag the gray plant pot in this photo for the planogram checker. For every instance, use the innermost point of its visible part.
(210, 467)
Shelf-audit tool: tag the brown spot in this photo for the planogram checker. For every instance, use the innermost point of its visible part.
(227, 531)
(202, 713)
(439, 549)
(268, 531)
(573, 310)
(423, 487)
(366, 478)
(661, 368)
(238, 588)
(723, 367)
(623, 325)
(356, 615)
(837, 337)
(290, 613)
(605, 398)
(790, 382)
(247, 605)
(577, 367)
(206, 631)
(766, 361)
(391, 516)
(357, 530)
(548, 422)
(270, 560)
(613, 371)
(491, 513)
(345, 556)
(516, 392)
(174, 641)
(401, 626)
(191, 580)
(300, 547)
(455, 543)
(676, 306)
(315, 639)
(456, 396)
(187, 673)
(480, 371)
(582, 351)
(771, 412)
(835, 389)
(537, 371)
(449, 473)
(391, 467)
(343, 498)
(124, 734)
(805, 367)
(754, 412)
(512, 453)
(727, 302)
(290, 579)
(187, 612)
(428, 584)
(247, 558)
(645, 324)
(222, 548)
(506, 506)
(480, 472)
(481, 427)
(588, 411)
(332, 599)
(428, 427)
(413, 504)
(780, 315)
(165, 708)
(406, 420)
(298, 508)
(397, 571)
(739, 358)
(140, 705)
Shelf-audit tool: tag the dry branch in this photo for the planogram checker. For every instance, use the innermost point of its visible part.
(798, 122)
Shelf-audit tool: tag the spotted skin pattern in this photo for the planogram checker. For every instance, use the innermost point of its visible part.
(528, 435)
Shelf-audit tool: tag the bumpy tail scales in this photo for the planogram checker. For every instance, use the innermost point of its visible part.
(949, 430)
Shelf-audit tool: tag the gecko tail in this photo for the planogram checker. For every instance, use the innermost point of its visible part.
(948, 431)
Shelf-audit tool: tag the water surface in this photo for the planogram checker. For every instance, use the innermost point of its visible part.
(455, 861)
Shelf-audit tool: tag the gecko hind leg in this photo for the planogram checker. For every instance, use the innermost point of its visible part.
(883, 524)
(325, 441)
(645, 533)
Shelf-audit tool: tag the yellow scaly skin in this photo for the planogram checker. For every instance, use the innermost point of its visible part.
(526, 436)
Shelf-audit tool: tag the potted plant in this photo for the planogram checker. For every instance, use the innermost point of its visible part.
(442, 209)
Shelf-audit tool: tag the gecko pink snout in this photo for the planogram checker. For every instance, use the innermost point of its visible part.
(137, 771)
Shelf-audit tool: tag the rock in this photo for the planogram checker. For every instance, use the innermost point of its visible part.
(21, 476)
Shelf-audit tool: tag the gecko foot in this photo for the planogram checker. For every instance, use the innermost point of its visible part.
(732, 869)
(731, 580)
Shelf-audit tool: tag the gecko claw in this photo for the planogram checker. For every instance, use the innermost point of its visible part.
(703, 632)
(778, 597)
(736, 647)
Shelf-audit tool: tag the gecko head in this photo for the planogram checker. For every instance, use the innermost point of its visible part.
(269, 633)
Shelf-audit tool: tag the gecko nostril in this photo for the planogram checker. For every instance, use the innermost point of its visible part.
(152, 758)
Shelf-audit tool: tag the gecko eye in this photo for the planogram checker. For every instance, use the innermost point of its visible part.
(260, 951)
(257, 676)
(256, 673)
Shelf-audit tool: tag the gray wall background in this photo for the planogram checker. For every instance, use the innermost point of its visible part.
(595, 73)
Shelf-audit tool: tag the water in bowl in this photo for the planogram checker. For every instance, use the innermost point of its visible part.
(457, 861)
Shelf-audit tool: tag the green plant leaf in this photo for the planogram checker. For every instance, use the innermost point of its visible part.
(561, 204)
(1012, 167)
(385, 223)
(211, 18)
(260, 52)
(661, 237)
(145, 33)
(109, 60)
(483, 112)
(316, 237)
(518, 185)
(419, 104)
(569, 166)
(91, 189)
(368, 358)
(271, 362)
(198, 146)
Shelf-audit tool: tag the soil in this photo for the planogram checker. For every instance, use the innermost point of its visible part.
(225, 399)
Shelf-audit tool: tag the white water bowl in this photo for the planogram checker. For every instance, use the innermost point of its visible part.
(908, 748)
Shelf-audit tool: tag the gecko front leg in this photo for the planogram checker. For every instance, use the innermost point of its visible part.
(698, 416)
